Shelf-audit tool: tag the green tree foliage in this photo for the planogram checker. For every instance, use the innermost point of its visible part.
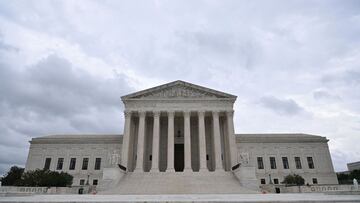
(38, 178)
(46, 178)
(344, 178)
(293, 180)
(12, 177)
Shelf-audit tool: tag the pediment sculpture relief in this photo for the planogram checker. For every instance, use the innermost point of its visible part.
(178, 92)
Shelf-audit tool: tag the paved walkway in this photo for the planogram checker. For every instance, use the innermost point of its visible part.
(313, 197)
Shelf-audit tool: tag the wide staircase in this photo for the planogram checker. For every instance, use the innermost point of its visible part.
(179, 183)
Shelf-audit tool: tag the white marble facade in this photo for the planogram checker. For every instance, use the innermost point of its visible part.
(181, 127)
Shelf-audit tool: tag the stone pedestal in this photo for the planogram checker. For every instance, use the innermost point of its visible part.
(247, 177)
(111, 178)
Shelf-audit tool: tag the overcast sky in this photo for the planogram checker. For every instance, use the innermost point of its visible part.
(294, 65)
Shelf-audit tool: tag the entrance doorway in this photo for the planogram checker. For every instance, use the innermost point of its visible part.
(179, 157)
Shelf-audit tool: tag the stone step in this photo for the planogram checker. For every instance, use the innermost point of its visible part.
(179, 183)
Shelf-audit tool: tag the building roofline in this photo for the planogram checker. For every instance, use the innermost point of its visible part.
(177, 82)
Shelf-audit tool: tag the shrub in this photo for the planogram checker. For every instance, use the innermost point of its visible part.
(13, 177)
(293, 180)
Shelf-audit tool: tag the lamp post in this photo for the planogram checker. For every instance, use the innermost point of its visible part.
(270, 181)
(87, 181)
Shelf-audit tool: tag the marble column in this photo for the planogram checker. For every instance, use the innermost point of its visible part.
(140, 144)
(170, 148)
(202, 141)
(156, 140)
(231, 138)
(126, 140)
(187, 142)
(217, 141)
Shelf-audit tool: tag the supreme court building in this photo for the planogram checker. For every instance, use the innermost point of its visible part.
(179, 138)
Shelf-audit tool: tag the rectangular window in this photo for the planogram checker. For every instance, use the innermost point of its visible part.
(85, 164)
(260, 163)
(262, 181)
(310, 162)
(82, 182)
(60, 164)
(276, 181)
(97, 163)
(285, 162)
(47, 163)
(315, 181)
(95, 182)
(297, 162)
(72, 164)
(272, 163)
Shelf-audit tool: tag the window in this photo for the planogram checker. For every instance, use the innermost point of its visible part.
(260, 163)
(276, 181)
(72, 164)
(97, 163)
(310, 162)
(297, 162)
(47, 163)
(262, 181)
(285, 162)
(82, 182)
(60, 164)
(85, 164)
(272, 163)
(95, 182)
(315, 181)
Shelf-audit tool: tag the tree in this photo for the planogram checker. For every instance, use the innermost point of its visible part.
(46, 178)
(293, 180)
(347, 178)
(13, 177)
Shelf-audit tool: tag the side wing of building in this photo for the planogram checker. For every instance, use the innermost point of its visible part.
(82, 156)
(275, 156)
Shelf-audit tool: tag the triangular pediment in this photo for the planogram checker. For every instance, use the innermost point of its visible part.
(178, 90)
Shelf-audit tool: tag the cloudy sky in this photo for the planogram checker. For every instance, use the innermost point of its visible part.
(294, 65)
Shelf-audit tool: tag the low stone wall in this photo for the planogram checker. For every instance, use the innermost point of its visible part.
(306, 189)
(8, 190)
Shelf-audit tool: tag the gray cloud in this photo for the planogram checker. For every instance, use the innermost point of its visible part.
(325, 95)
(53, 97)
(281, 106)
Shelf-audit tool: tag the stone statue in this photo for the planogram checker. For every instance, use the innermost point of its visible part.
(114, 158)
(356, 185)
(244, 159)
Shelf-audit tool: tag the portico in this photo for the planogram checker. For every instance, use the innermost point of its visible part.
(178, 127)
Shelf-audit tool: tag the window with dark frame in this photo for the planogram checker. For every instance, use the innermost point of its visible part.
(272, 163)
(315, 181)
(47, 163)
(60, 164)
(85, 164)
(260, 163)
(310, 162)
(97, 164)
(95, 182)
(262, 181)
(72, 164)
(285, 162)
(276, 181)
(298, 163)
(82, 182)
